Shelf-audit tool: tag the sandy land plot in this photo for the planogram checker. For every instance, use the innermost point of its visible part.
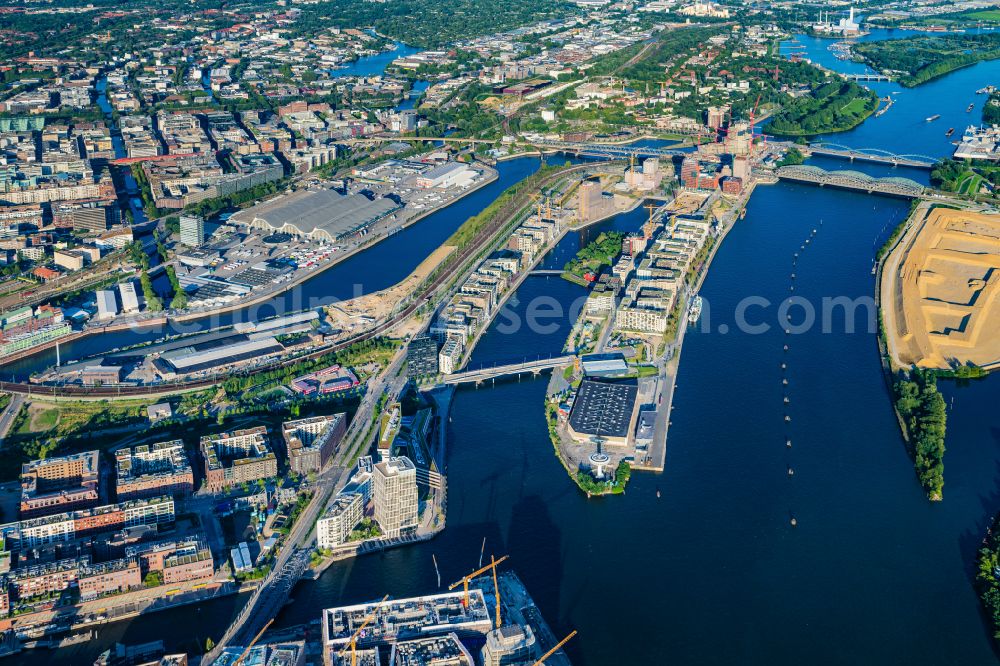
(941, 291)
(358, 313)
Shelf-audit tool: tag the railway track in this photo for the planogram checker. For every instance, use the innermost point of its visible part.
(483, 240)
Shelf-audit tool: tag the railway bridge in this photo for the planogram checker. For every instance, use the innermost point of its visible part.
(851, 180)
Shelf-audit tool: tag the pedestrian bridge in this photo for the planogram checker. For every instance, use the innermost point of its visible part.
(482, 374)
(851, 180)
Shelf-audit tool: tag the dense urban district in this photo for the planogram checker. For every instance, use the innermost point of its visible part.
(197, 404)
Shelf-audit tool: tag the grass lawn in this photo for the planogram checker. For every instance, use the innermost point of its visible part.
(855, 107)
(970, 183)
(984, 15)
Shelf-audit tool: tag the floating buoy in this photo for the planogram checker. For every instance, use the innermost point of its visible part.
(794, 522)
(788, 443)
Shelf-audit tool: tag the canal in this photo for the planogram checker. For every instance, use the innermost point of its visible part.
(711, 570)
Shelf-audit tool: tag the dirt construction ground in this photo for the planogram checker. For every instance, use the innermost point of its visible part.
(941, 291)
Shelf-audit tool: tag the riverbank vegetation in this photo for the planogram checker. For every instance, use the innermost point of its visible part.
(593, 257)
(923, 417)
(921, 58)
(471, 228)
(613, 486)
(988, 575)
(966, 177)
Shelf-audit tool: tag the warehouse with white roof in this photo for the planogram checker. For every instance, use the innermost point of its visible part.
(324, 215)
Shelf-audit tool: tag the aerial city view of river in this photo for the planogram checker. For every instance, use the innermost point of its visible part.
(704, 556)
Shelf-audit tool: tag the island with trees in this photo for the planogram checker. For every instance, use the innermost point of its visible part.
(923, 417)
(921, 58)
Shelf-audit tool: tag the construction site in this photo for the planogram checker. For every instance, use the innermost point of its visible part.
(492, 620)
(940, 288)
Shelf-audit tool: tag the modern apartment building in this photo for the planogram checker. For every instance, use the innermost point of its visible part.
(150, 470)
(232, 458)
(312, 442)
(60, 484)
(394, 487)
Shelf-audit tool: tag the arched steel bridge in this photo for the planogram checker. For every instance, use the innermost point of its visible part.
(872, 155)
(610, 150)
(852, 180)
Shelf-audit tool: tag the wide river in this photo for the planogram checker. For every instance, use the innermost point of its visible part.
(712, 571)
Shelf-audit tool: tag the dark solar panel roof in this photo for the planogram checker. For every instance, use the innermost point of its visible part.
(603, 407)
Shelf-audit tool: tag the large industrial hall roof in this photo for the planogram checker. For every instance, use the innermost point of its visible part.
(321, 214)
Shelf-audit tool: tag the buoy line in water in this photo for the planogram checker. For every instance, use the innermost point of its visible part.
(785, 397)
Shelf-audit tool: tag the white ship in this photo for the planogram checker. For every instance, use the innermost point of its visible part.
(694, 311)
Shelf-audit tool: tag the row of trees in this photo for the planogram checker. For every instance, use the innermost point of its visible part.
(922, 408)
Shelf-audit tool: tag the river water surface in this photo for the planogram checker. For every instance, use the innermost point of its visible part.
(712, 571)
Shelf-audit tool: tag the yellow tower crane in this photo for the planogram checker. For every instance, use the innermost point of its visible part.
(496, 589)
(537, 198)
(465, 580)
(353, 643)
(246, 650)
(554, 649)
(648, 227)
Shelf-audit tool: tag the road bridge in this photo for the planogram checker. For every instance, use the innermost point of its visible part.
(851, 180)
(871, 155)
(482, 374)
(871, 76)
(547, 271)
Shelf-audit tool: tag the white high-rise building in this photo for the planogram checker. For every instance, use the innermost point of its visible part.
(395, 490)
(192, 230)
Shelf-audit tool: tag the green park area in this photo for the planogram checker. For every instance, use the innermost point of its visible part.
(921, 58)
(593, 257)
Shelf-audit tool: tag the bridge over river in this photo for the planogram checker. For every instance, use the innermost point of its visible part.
(827, 149)
(492, 372)
(851, 180)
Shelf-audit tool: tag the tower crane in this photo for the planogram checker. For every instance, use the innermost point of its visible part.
(353, 643)
(647, 229)
(496, 589)
(554, 649)
(246, 650)
(465, 580)
(753, 114)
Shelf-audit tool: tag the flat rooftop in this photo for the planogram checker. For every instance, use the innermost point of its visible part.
(402, 619)
(603, 408)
